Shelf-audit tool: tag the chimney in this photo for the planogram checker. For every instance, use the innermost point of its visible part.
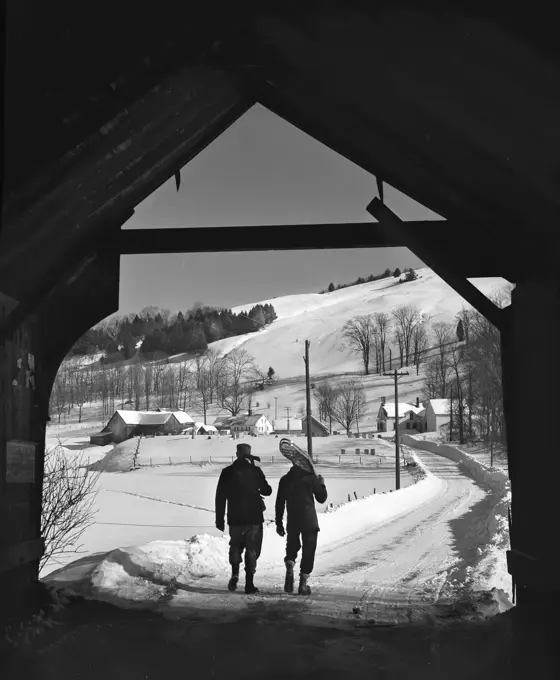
(383, 399)
(417, 402)
(250, 412)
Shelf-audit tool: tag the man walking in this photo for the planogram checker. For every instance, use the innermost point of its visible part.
(298, 490)
(242, 484)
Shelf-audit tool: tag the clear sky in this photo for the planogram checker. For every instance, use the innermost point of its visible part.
(261, 171)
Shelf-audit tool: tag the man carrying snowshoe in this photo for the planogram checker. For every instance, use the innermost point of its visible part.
(298, 490)
(242, 484)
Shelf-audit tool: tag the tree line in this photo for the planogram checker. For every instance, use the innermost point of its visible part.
(155, 332)
(396, 273)
(227, 381)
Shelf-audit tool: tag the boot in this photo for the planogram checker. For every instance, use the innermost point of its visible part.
(250, 588)
(289, 582)
(232, 585)
(303, 589)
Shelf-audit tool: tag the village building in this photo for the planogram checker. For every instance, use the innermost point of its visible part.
(223, 424)
(317, 427)
(287, 426)
(256, 423)
(124, 425)
(414, 421)
(182, 416)
(386, 415)
(200, 429)
(437, 414)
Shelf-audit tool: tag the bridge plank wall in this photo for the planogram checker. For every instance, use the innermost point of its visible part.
(47, 335)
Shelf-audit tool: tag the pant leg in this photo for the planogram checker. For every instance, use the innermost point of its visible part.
(253, 547)
(293, 546)
(309, 540)
(236, 544)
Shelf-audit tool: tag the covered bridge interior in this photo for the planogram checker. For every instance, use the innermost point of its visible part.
(451, 103)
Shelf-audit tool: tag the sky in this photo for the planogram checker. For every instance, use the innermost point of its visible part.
(261, 171)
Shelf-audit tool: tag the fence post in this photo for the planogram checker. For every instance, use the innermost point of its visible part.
(190, 459)
(339, 459)
(349, 499)
(151, 465)
(374, 490)
(355, 495)
(360, 460)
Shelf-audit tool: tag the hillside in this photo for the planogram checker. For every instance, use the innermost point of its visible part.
(319, 318)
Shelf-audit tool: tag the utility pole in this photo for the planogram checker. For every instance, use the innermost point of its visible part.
(288, 409)
(308, 399)
(275, 408)
(396, 375)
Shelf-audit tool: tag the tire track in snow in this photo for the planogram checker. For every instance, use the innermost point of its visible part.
(162, 500)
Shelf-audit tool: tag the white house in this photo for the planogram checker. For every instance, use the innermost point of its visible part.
(437, 414)
(387, 412)
(253, 423)
(200, 428)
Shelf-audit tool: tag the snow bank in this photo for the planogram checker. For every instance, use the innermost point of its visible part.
(490, 527)
(482, 473)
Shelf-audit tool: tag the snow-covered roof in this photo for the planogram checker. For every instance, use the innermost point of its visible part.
(282, 424)
(404, 408)
(440, 407)
(144, 417)
(208, 428)
(182, 416)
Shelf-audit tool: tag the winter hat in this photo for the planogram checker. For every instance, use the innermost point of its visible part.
(244, 451)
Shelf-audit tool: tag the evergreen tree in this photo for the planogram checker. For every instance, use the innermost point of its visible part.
(331, 287)
(397, 272)
(270, 373)
(460, 331)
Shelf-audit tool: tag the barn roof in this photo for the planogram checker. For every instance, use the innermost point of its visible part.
(144, 417)
(248, 421)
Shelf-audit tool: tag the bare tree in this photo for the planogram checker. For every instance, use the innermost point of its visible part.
(158, 371)
(358, 334)
(406, 320)
(69, 491)
(236, 369)
(80, 378)
(382, 323)
(419, 344)
(349, 404)
(148, 378)
(432, 381)
(326, 396)
(444, 334)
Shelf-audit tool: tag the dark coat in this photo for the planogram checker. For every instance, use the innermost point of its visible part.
(241, 484)
(298, 490)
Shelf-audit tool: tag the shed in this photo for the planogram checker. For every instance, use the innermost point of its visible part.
(126, 424)
(387, 411)
(101, 438)
(437, 414)
(317, 427)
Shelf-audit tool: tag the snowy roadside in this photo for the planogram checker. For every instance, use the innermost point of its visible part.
(491, 529)
(142, 575)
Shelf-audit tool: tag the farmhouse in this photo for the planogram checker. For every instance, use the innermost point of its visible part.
(414, 421)
(317, 427)
(126, 424)
(223, 423)
(386, 414)
(437, 414)
(287, 426)
(253, 423)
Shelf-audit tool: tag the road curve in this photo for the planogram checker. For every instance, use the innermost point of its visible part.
(396, 573)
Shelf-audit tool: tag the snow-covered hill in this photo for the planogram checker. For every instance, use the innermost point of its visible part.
(320, 318)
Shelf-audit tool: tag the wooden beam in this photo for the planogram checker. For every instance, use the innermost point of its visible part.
(439, 258)
(300, 237)
(21, 553)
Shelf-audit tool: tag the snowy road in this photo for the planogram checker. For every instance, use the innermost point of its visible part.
(396, 572)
